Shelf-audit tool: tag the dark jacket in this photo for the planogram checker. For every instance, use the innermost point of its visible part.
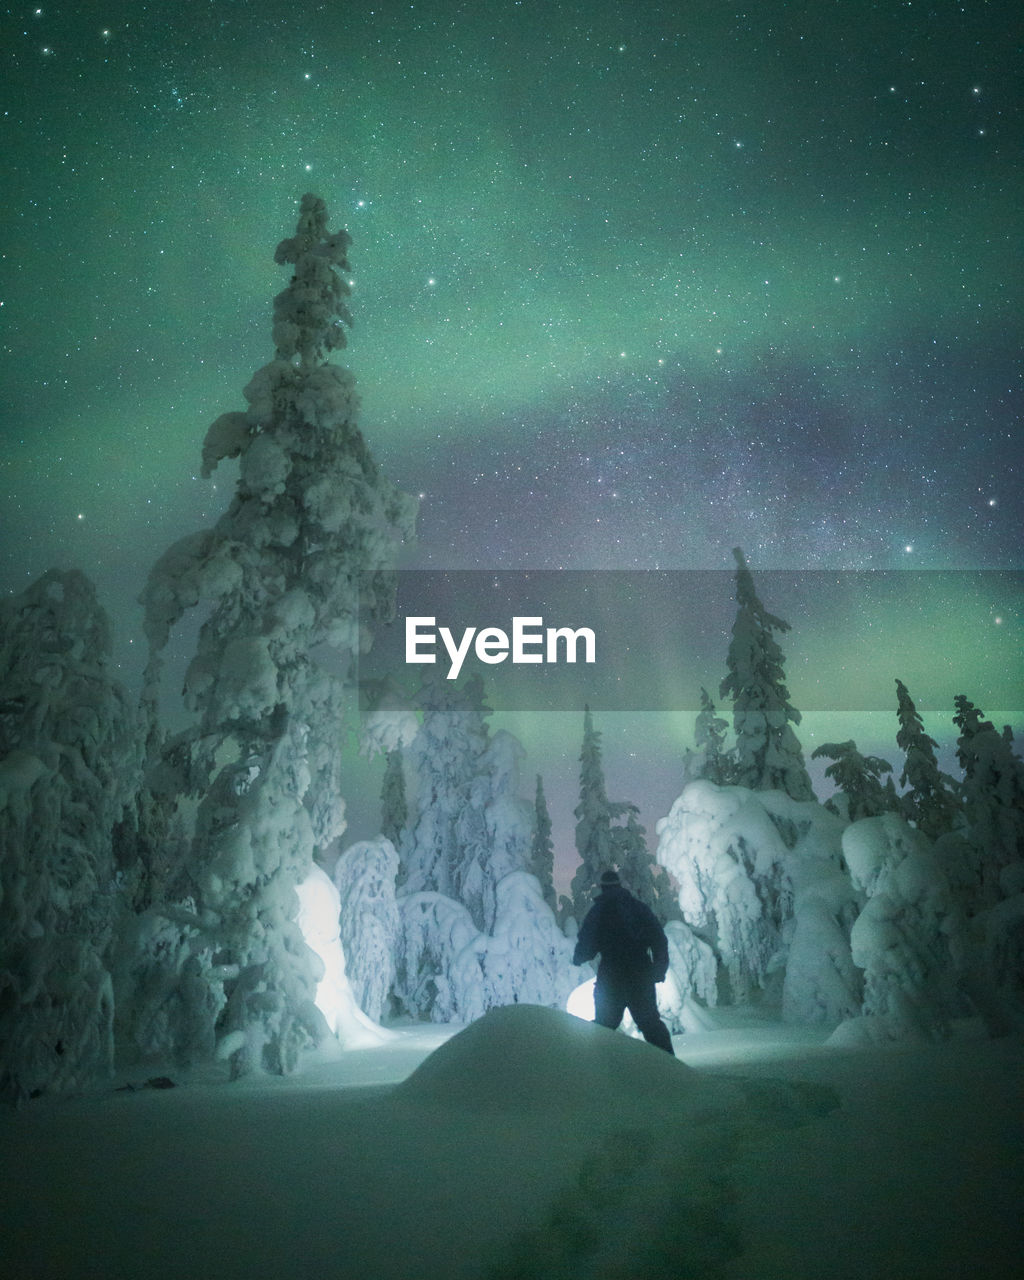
(627, 934)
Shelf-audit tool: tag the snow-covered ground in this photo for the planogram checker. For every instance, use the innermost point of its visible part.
(533, 1144)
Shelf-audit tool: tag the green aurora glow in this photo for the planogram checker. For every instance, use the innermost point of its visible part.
(633, 285)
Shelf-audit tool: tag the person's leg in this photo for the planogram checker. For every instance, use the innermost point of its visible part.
(643, 1005)
(609, 1001)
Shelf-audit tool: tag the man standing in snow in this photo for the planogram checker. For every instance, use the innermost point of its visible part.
(634, 956)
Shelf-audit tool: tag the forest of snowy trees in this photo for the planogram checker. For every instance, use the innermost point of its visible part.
(186, 896)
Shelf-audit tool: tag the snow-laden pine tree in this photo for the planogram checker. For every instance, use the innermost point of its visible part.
(476, 929)
(446, 831)
(542, 849)
(859, 781)
(312, 521)
(594, 815)
(929, 800)
(984, 861)
(394, 811)
(908, 938)
(603, 840)
(449, 971)
(468, 825)
(509, 825)
(993, 809)
(760, 878)
(968, 720)
(641, 875)
(709, 730)
(69, 767)
(365, 877)
(768, 754)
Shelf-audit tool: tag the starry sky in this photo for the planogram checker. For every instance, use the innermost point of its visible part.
(634, 284)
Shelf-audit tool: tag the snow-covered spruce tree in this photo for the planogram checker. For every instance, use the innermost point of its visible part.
(968, 720)
(768, 754)
(542, 850)
(642, 876)
(984, 862)
(993, 790)
(929, 801)
(469, 827)
(603, 840)
(859, 781)
(394, 811)
(509, 824)
(446, 831)
(476, 929)
(365, 877)
(281, 570)
(709, 731)
(439, 960)
(594, 815)
(527, 959)
(760, 877)
(692, 977)
(69, 767)
(449, 971)
(909, 937)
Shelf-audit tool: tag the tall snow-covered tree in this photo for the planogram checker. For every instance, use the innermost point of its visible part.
(476, 929)
(441, 837)
(296, 567)
(69, 765)
(709, 730)
(542, 849)
(993, 791)
(509, 826)
(929, 800)
(394, 810)
(759, 877)
(468, 827)
(968, 720)
(769, 756)
(641, 875)
(859, 781)
(604, 840)
(365, 877)
(594, 814)
(449, 971)
(909, 937)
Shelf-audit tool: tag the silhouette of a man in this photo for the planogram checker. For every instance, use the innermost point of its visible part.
(634, 956)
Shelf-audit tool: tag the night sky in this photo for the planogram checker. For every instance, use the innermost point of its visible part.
(634, 284)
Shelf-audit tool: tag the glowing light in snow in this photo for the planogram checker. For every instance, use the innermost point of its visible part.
(581, 1001)
(319, 909)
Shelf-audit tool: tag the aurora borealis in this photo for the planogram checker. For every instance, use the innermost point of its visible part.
(634, 284)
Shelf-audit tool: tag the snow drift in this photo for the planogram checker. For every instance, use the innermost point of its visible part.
(520, 1056)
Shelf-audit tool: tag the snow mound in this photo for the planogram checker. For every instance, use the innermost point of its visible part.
(522, 1057)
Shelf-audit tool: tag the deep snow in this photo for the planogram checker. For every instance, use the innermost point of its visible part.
(533, 1144)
